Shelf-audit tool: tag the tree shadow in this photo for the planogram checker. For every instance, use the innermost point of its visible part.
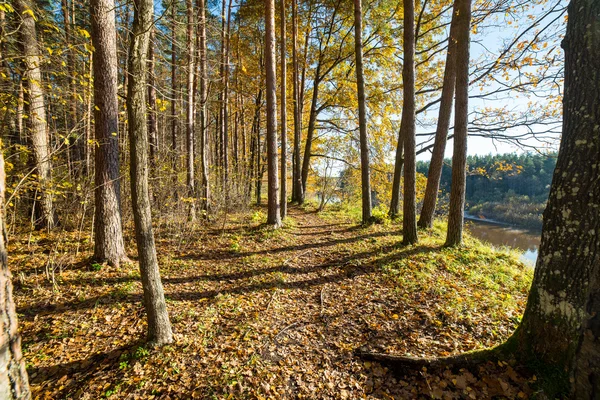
(347, 268)
(82, 371)
(231, 254)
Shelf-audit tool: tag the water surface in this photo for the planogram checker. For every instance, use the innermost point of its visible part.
(498, 234)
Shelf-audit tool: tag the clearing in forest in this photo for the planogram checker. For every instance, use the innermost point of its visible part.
(269, 314)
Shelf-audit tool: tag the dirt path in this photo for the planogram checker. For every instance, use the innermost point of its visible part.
(256, 313)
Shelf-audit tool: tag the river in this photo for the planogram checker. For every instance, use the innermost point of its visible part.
(498, 234)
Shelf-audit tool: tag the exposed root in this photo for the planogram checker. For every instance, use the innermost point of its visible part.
(403, 364)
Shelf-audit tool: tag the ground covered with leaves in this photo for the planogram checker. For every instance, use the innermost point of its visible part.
(269, 314)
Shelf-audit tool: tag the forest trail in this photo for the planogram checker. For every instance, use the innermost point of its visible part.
(259, 313)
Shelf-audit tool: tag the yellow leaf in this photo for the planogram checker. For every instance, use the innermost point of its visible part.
(30, 12)
(84, 33)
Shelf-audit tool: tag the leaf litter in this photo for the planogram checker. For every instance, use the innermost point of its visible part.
(263, 314)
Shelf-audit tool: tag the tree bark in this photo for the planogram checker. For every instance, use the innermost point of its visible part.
(152, 113)
(77, 144)
(159, 326)
(108, 233)
(283, 106)
(395, 202)
(174, 154)
(205, 194)
(456, 209)
(362, 116)
(441, 133)
(14, 384)
(561, 326)
(312, 121)
(190, 109)
(273, 212)
(298, 190)
(37, 121)
(409, 209)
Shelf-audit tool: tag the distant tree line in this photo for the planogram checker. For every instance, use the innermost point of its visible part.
(513, 188)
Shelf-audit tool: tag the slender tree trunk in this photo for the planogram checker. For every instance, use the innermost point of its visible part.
(203, 114)
(152, 114)
(175, 155)
(88, 123)
(409, 217)
(255, 146)
(273, 213)
(190, 109)
(456, 209)
(441, 135)
(37, 114)
(159, 326)
(225, 105)
(560, 326)
(283, 106)
(362, 116)
(108, 233)
(312, 121)
(396, 187)
(76, 148)
(14, 384)
(298, 190)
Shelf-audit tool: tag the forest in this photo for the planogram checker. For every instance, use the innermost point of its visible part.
(511, 188)
(222, 199)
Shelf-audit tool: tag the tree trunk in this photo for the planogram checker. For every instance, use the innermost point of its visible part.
(152, 114)
(76, 148)
(273, 212)
(312, 121)
(159, 326)
(108, 233)
(395, 202)
(298, 189)
(456, 209)
(14, 384)
(203, 114)
(283, 106)
(37, 114)
(362, 116)
(441, 134)
(174, 154)
(255, 147)
(409, 214)
(560, 325)
(190, 109)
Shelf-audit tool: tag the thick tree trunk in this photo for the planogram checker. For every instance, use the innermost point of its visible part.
(14, 384)
(190, 109)
(409, 209)
(362, 116)
(456, 209)
(108, 232)
(205, 194)
(561, 326)
(273, 212)
(37, 121)
(441, 134)
(159, 326)
(298, 189)
(283, 106)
